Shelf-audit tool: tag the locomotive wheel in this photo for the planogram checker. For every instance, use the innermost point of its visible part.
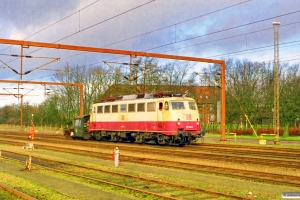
(117, 138)
(161, 140)
(86, 135)
(98, 136)
(140, 139)
(189, 140)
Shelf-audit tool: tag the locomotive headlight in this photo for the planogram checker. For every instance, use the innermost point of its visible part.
(197, 122)
(178, 122)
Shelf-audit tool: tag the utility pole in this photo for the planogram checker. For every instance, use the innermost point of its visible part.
(276, 25)
(21, 102)
(130, 68)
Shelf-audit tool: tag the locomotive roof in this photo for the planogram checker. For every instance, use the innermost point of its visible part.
(146, 97)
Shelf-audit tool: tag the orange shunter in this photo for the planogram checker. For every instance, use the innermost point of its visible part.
(31, 131)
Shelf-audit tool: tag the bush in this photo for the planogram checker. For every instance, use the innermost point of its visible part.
(294, 131)
(269, 131)
(242, 131)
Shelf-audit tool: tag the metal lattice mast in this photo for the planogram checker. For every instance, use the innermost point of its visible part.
(276, 80)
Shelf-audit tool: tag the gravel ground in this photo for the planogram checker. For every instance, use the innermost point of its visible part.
(246, 188)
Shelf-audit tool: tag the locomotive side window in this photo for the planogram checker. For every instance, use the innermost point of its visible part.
(107, 109)
(177, 105)
(131, 107)
(160, 106)
(100, 109)
(192, 105)
(123, 107)
(114, 108)
(140, 107)
(150, 106)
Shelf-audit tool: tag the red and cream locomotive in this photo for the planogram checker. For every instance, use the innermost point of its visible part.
(165, 118)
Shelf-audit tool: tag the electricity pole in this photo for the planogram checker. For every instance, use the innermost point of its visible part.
(276, 81)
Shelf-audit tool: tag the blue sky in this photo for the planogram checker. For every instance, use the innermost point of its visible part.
(217, 29)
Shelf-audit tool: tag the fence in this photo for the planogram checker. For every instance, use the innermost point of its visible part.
(234, 128)
(16, 127)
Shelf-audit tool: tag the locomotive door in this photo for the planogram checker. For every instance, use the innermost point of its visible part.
(160, 123)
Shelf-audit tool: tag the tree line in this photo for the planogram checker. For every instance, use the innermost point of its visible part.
(249, 90)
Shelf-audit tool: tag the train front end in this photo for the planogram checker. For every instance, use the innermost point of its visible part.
(185, 118)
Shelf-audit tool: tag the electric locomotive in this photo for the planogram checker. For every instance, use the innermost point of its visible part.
(164, 118)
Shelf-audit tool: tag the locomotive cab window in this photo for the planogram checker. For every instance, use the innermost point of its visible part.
(77, 122)
(123, 107)
(150, 106)
(107, 109)
(177, 105)
(114, 108)
(131, 107)
(192, 105)
(140, 107)
(100, 109)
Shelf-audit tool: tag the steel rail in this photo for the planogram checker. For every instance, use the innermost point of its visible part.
(16, 192)
(289, 163)
(126, 175)
(96, 180)
(236, 173)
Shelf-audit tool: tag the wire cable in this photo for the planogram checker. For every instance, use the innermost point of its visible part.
(124, 13)
(165, 27)
(92, 26)
(239, 26)
(55, 23)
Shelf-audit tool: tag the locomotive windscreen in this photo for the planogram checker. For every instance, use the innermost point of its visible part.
(192, 105)
(177, 105)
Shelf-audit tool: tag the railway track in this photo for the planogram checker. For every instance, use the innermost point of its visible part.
(16, 193)
(244, 150)
(223, 171)
(245, 146)
(288, 158)
(155, 188)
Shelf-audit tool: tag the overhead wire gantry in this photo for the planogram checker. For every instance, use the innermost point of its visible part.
(134, 53)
